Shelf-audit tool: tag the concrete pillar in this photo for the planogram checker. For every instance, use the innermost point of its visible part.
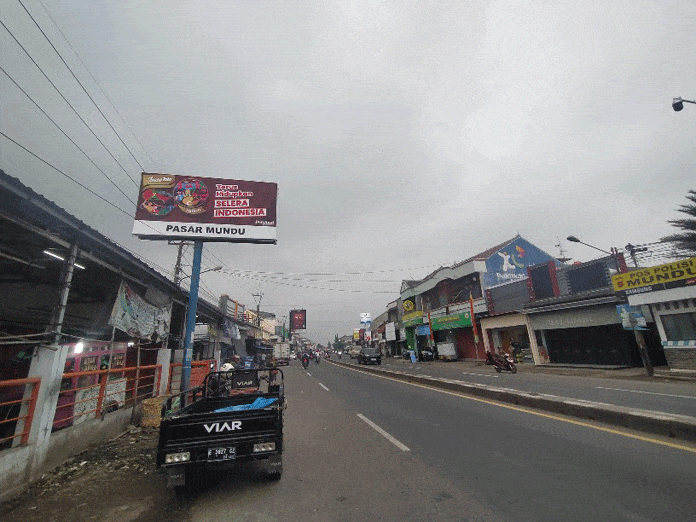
(164, 356)
(48, 364)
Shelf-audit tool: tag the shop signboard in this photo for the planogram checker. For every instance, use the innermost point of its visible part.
(423, 329)
(171, 206)
(450, 322)
(390, 332)
(409, 305)
(632, 317)
(413, 321)
(510, 262)
(413, 315)
(661, 277)
(365, 318)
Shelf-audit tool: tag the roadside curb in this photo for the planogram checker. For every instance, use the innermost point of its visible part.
(670, 425)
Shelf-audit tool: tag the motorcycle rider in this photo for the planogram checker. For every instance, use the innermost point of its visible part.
(304, 358)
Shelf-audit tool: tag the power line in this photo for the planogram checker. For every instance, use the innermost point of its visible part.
(77, 55)
(318, 287)
(83, 88)
(66, 100)
(66, 135)
(341, 273)
(75, 181)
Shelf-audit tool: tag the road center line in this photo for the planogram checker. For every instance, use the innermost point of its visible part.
(383, 433)
(320, 384)
(651, 393)
(309, 374)
(480, 374)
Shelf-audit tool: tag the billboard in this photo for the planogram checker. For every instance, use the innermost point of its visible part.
(510, 263)
(661, 277)
(298, 319)
(211, 209)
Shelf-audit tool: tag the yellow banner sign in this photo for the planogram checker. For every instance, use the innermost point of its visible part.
(669, 275)
(412, 315)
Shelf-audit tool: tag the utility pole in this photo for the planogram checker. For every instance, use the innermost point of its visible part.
(258, 309)
(177, 267)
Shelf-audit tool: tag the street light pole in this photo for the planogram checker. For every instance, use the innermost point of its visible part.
(214, 269)
(678, 103)
(576, 240)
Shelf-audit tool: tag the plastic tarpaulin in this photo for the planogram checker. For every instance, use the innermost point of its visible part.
(258, 404)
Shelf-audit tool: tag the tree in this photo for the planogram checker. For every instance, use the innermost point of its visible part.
(685, 242)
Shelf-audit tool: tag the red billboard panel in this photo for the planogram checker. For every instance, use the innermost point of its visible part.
(212, 209)
(298, 319)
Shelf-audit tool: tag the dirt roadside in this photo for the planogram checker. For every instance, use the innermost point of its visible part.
(113, 481)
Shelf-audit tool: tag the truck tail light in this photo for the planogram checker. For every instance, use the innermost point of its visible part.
(266, 446)
(173, 458)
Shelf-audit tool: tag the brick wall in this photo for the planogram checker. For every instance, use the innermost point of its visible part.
(681, 358)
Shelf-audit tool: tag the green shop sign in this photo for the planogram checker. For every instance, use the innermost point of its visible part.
(452, 321)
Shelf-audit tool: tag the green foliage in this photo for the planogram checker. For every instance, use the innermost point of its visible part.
(685, 241)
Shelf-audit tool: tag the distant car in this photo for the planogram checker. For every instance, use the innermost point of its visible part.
(369, 356)
(426, 355)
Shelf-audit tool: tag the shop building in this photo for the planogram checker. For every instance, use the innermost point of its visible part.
(504, 330)
(446, 307)
(667, 294)
(572, 316)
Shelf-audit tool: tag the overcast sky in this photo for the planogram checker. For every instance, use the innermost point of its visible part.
(403, 136)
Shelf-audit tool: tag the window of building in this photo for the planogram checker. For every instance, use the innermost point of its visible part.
(588, 277)
(541, 282)
(680, 327)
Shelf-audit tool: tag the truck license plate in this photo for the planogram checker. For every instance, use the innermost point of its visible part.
(222, 453)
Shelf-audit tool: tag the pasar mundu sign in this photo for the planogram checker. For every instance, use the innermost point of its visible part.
(211, 209)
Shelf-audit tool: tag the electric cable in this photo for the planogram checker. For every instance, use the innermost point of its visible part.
(66, 135)
(113, 106)
(74, 181)
(65, 99)
(83, 88)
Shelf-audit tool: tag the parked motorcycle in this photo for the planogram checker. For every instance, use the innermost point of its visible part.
(501, 362)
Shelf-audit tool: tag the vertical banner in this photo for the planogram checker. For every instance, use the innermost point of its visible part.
(473, 320)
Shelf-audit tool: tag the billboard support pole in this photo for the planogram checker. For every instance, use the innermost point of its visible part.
(191, 317)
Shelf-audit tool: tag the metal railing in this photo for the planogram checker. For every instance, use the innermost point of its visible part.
(199, 369)
(90, 394)
(17, 406)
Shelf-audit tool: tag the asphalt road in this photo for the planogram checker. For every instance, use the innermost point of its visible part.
(363, 448)
(360, 447)
(521, 464)
(656, 395)
(336, 468)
